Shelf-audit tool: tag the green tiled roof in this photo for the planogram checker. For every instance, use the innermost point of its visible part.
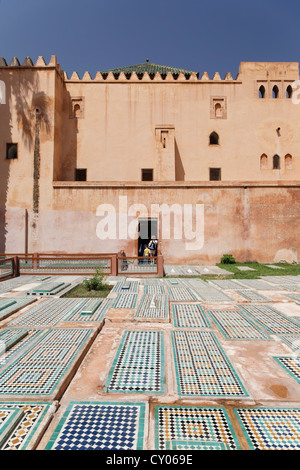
(151, 68)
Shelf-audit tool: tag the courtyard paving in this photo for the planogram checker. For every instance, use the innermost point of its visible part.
(177, 363)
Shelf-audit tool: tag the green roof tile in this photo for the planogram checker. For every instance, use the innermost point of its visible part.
(151, 68)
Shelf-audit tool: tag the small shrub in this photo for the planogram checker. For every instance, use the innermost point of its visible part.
(227, 259)
(96, 282)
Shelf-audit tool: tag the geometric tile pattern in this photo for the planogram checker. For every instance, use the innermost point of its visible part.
(202, 368)
(227, 284)
(253, 296)
(40, 368)
(291, 365)
(8, 306)
(233, 325)
(270, 428)
(8, 338)
(272, 320)
(193, 428)
(9, 419)
(295, 297)
(29, 339)
(258, 284)
(46, 313)
(189, 316)
(153, 306)
(182, 294)
(125, 301)
(90, 310)
(100, 426)
(293, 341)
(211, 294)
(126, 286)
(139, 364)
(32, 416)
(154, 289)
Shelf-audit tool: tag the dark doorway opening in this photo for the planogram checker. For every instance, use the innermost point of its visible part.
(147, 228)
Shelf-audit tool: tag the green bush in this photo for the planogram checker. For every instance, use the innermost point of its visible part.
(227, 259)
(96, 282)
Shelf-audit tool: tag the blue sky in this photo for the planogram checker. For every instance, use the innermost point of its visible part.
(200, 35)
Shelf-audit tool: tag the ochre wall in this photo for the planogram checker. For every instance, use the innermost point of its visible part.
(254, 222)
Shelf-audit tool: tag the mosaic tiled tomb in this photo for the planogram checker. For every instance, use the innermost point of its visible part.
(293, 341)
(294, 296)
(125, 301)
(270, 428)
(90, 310)
(202, 368)
(182, 293)
(41, 368)
(46, 313)
(25, 338)
(187, 315)
(10, 306)
(155, 306)
(25, 434)
(234, 325)
(9, 419)
(291, 365)
(227, 284)
(139, 363)
(210, 294)
(49, 288)
(100, 426)
(154, 289)
(193, 428)
(272, 320)
(258, 284)
(126, 286)
(253, 296)
(8, 339)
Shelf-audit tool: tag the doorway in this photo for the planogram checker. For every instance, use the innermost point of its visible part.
(146, 229)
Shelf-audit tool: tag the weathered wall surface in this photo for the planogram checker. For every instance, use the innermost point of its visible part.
(257, 222)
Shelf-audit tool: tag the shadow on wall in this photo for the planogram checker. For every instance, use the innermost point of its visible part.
(22, 102)
(179, 170)
(70, 133)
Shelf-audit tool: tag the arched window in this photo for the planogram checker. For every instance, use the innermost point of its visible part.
(218, 110)
(275, 92)
(264, 162)
(288, 162)
(213, 139)
(77, 111)
(289, 92)
(276, 162)
(261, 92)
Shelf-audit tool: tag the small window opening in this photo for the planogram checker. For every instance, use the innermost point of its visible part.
(215, 174)
(147, 174)
(11, 151)
(77, 111)
(288, 162)
(289, 92)
(276, 162)
(275, 92)
(218, 110)
(80, 174)
(213, 139)
(264, 162)
(261, 92)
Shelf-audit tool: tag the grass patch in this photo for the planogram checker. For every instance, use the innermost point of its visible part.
(259, 270)
(82, 291)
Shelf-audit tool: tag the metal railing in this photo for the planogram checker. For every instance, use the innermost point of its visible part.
(6, 267)
(64, 265)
